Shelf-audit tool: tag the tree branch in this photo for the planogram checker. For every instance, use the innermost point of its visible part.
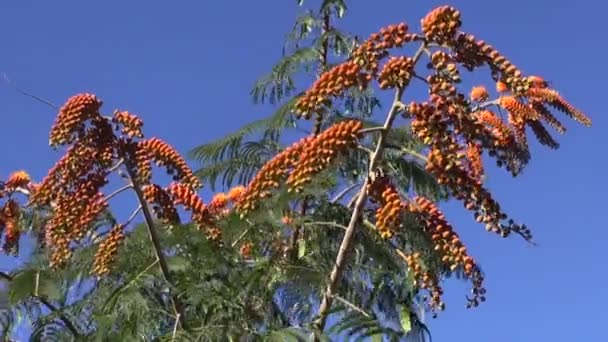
(352, 306)
(340, 263)
(344, 192)
(162, 262)
(118, 191)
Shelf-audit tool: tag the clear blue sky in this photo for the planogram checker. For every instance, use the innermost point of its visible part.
(187, 67)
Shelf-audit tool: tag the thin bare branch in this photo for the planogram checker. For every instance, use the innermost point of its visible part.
(371, 130)
(352, 306)
(23, 92)
(118, 191)
(133, 215)
(240, 237)
(344, 192)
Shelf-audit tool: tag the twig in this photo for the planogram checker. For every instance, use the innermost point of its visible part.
(175, 328)
(332, 224)
(240, 237)
(365, 149)
(340, 263)
(116, 166)
(133, 215)
(413, 154)
(68, 324)
(118, 191)
(162, 262)
(352, 306)
(371, 129)
(23, 92)
(344, 192)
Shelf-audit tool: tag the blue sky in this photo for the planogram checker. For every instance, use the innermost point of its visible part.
(187, 67)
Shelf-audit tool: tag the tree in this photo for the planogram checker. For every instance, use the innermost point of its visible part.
(237, 268)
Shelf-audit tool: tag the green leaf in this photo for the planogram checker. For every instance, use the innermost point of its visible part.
(406, 322)
(177, 263)
(301, 248)
(376, 338)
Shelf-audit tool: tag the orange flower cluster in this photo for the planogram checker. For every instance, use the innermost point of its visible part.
(236, 193)
(246, 250)
(452, 251)
(479, 94)
(270, 175)
(10, 215)
(318, 153)
(397, 72)
(553, 98)
(299, 162)
(518, 109)
(475, 162)
(391, 208)
(74, 211)
(18, 179)
(425, 280)
(445, 239)
(453, 173)
(184, 195)
(165, 155)
(70, 123)
(441, 24)
(444, 66)
(162, 203)
(205, 215)
(129, 124)
(472, 53)
(358, 71)
(501, 132)
(108, 250)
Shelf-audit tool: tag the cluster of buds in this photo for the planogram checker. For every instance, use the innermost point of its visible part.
(10, 214)
(205, 216)
(397, 72)
(450, 249)
(479, 94)
(391, 207)
(271, 174)
(445, 239)
(162, 203)
(165, 155)
(298, 163)
(70, 122)
(96, 146)
(501, 133)
(319, 152)
(246, 250)
(425, 280)
(358, 71)
(441, 24)
(129, 124)
(475, 163)
(108, 250)
(444, 67)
